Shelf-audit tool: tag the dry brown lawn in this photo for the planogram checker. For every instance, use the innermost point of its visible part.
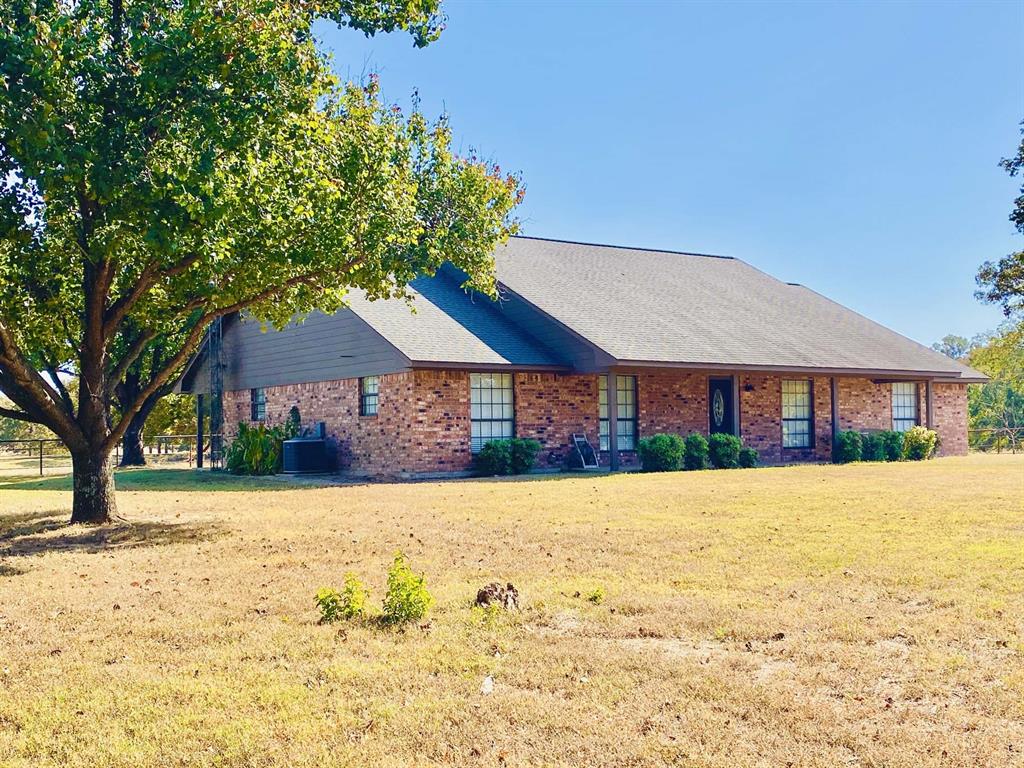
(864, 615)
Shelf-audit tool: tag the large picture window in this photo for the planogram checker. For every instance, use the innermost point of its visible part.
(491, 408)
(369, 394)
(904, 405)
(625, 393)
(796, 413)
(257, 404)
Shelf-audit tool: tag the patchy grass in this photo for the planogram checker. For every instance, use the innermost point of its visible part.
(808, 616)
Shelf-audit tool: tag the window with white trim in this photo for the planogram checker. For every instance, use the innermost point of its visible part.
(625, 393)
(258, 404)
(491, 408)
(904, 405)
(369, 395)
(796, 413)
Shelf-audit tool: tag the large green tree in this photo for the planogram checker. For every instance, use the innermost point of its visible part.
(164, 163)
(997, 407)
(1002, 282)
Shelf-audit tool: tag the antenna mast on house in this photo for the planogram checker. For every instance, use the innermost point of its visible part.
(214, 344)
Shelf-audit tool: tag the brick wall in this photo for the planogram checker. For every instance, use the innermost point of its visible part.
(672, 401)
(761, 419)
(551, 407)
(423, 422)
(949, 418)
(864, 405)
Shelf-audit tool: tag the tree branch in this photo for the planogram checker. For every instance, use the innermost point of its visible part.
(19, 415)
(65, 396)
(192, 341)
(149, 277)
(31, 392)
(130, 356)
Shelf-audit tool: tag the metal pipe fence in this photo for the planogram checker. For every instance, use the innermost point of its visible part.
(49, 456)
(997, 439)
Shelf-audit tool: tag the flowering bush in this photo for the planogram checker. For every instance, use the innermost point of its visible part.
(919, 443)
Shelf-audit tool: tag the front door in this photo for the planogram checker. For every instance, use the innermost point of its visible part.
(721, 417)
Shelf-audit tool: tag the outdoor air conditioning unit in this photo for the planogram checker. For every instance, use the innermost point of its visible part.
(307, 454)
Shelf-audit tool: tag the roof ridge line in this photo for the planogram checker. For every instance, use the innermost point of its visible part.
(624, 247)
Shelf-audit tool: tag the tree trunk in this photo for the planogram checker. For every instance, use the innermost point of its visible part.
(132, 454)
(93, 502)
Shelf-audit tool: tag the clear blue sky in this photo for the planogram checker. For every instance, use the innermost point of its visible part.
(851, 147)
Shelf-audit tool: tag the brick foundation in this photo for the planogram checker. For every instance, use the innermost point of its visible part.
(423, 422)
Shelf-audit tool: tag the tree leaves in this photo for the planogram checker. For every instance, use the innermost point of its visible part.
(1002, 282)
(183, 161)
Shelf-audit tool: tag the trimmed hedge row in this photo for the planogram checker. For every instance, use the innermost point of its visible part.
(668, 452)
(916, 444)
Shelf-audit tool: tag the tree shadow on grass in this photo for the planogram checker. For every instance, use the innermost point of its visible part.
(42, 532)
(145, 479)
(30, 524)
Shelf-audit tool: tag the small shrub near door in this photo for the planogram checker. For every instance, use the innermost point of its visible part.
(919, 443)
(848, 447)
(407, 598)
(695, 452)
(724, 450)
(661, 453)
(748, 457)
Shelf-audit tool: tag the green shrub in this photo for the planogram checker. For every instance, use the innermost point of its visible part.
(255, 451)
(596, 596)
(523, 455)
(848, 447)
(919, 443)
(892, 445)
(661, 453)
(872, 448)
(494, 458)
(506, 457)
(724, 450)
(350, 603)
(695, 452)
(328, 600)
(407, 598)
(293, 424)
(749, 457)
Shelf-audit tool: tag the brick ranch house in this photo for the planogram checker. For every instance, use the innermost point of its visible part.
(613, 343)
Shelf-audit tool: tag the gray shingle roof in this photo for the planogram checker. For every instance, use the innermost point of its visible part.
(656, 306)
(450, 325)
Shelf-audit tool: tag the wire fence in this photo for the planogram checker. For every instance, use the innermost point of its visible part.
(996, 439)
(48, 456)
